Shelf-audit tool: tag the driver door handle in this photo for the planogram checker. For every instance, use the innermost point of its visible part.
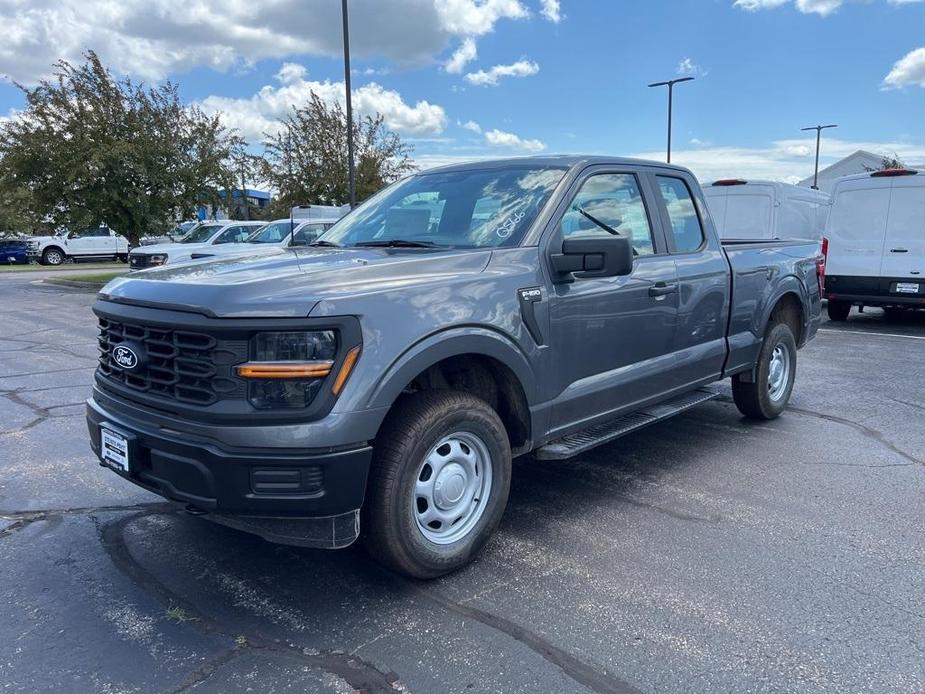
(662, 289)
(899, 250)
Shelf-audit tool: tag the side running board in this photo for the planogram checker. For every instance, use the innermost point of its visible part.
(597, 434)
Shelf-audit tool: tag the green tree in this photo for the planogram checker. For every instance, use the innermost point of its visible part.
(305, 161)
(91, 149)
(891, 161)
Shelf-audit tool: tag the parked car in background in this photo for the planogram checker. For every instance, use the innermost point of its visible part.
(201, 236)
(13, 252)
(383, 378)
(100, 243)
(766, 209)
(278, 234)
(876, 242)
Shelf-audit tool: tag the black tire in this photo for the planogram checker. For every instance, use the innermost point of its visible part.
(838, 310)
(53, 256)
(417, 423)
(122, 258)
(755, 399)
(894, 312)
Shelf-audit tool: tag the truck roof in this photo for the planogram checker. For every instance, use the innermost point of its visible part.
(563, 160)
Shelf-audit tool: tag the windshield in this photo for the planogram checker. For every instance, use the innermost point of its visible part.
(461, 209)
(274, 232)
(201, 233)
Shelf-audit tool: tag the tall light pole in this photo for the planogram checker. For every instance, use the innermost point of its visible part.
(818, 129)
(351, 173)
(670, 84)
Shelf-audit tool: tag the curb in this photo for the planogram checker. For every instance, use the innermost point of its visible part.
(62, 282)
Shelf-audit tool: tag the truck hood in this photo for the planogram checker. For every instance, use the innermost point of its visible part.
(289, 283)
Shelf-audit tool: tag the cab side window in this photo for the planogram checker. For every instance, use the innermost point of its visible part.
(234, 234)
(685, 223)
(610, 200)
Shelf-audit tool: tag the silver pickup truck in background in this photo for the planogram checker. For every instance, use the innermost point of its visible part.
(379, 381)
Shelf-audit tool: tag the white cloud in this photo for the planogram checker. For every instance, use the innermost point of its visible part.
(522, 68)
(462, 56)
(261, 112)
(499, 138)
(908, 70)
(151, 40)
(783, 160)
(551, 11)
(689, 67)
(821, 7)
(472, 125)
(470, 17)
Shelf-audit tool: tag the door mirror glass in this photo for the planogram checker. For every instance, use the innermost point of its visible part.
(590, 255)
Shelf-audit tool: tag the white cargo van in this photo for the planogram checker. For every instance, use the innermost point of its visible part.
(766, 209)
(876, 242)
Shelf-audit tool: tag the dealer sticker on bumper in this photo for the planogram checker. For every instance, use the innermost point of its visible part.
(907, 287)
(114, 449)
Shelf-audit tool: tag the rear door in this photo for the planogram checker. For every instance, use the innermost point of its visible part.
(749, 212)
(904, 244)
(856, 228)
(699, 342)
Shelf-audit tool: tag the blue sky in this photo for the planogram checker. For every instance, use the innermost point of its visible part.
(528, 76)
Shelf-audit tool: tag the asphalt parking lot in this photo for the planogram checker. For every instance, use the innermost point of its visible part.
(702, 554)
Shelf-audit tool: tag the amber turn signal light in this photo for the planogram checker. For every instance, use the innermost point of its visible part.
(349, 361)
(270, 369)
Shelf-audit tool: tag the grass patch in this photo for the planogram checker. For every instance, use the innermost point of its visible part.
(35, 267)
(96, 279)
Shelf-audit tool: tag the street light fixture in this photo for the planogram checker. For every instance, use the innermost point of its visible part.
(818, 129)
(670, 84)
(351, 173)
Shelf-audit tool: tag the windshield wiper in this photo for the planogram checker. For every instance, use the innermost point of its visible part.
(326, 244)
(398, 243)
(606, 227)
(595, 220)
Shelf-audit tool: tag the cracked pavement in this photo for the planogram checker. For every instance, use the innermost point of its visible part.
(701, 554)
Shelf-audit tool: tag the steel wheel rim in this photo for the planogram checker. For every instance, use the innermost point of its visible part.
(54, 258)
(778, 372)
(451, 488)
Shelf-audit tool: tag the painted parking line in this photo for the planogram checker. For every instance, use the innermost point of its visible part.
(865, 332)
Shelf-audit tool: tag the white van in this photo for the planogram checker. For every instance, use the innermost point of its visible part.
(876, 242)
(766, 210)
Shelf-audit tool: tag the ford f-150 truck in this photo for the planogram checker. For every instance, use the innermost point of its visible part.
(379, 382)
(86, 244)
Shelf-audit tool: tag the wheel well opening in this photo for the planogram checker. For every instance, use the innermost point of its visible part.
(486, 378)
(789, 311)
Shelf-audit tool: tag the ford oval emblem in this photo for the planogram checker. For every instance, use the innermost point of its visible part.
(125, 357)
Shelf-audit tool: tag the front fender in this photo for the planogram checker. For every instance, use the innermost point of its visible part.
(450, 343)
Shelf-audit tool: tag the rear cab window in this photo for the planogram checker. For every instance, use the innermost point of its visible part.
(686, 230)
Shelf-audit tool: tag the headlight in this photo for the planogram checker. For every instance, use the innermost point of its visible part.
(288, 368)
(157, 259)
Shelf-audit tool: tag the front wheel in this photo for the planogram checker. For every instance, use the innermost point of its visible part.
(838, 310)
(438, 485)
(766, 395)
(52, 256)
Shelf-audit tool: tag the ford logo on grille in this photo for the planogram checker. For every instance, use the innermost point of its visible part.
(125, 357)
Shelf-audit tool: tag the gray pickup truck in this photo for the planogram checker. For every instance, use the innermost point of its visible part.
(380, 381)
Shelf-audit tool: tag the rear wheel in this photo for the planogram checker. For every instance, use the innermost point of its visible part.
(838, 310)
(438, 485)
(767, 394)
(52, 256)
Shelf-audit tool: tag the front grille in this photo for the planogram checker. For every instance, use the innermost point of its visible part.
(188, 367)
(137, 261)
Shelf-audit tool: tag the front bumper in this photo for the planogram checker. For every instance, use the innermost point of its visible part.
(305, 497)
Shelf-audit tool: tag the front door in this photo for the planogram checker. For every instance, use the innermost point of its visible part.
(612, 334)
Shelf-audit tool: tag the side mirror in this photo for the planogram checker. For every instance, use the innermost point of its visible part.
(593, 256)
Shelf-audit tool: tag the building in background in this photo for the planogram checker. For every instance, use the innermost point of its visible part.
(856, 163)
(257, 201)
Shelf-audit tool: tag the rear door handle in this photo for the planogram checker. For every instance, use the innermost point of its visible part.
(662, 289)
(899, 250)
